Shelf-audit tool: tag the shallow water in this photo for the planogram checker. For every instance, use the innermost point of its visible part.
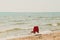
(26, 23)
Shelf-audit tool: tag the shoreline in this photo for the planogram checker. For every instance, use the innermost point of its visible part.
(51, 36)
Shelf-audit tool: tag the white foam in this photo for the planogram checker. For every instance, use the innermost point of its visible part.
(46, 32)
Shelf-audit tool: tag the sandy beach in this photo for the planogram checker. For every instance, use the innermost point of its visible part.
(51, 36)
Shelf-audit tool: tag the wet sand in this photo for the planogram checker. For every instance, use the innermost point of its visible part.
(51, 36)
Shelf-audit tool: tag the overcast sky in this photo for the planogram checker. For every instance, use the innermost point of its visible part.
(29, 5)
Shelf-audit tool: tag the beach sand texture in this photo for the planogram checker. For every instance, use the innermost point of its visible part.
(52, 36)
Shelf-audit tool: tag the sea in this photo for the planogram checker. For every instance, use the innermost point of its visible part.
(20, 24)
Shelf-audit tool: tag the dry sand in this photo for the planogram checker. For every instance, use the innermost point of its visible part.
(51, 36)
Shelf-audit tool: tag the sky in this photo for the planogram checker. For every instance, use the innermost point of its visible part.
(29, 5)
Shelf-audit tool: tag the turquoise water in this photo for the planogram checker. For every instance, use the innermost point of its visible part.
(43, 14)
(27, 20)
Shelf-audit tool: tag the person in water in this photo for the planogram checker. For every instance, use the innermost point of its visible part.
(35, 29)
